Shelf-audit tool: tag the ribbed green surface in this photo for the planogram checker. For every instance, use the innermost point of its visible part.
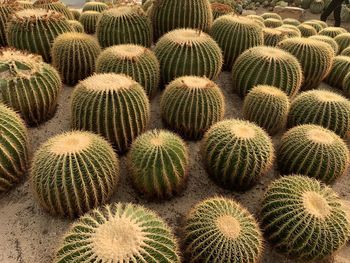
(76, 14)
(76, 25)
(272, 22)
(315, 57)
(168, 15)
(6, 11)
(321, 23)
(314, 24)
(225, 27)
(346, 85)
(120, 232)
(158, 162)
(327, 40)
(294, 223)
(346, 52)
(13, 148)
(256, 18)
(317, 6)
(190, 105)
(89, 21)
(220, 10)
(291, 21)
(273, 36)
(289, 30)
(138, 62)
(124, 25)
(184, 52)
(54, 5)
(341, 66)
(271, 15)
(112, 105)
(237, 153)
(332, 31)
(313, 151)
(219, 229)
(307, 30)
(29, 86)
(268, 66)
(343, 41)
(95, 6)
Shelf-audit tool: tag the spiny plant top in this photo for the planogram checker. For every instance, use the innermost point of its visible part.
(108, 82)
(127, 51)
(11, 4)
(121, 232)
(304, 218)
(238, 19)
(271, 15)
(187, 36)
(291, 21)
(327, 40)
(42, 2)
(34, 15)
(123, 10)
(332, 31)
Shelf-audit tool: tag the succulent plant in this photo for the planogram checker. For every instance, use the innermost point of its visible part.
(267, 66)
(314, 24)
(147, 4)
(158, 162)
(190, 105)
(25, 4)
(346, 85)
(273, 36)
(321, 23)
(54, 5)
(89, 21)
(13, 148)
(184, 52)
(313, 151)
(271, 15)
(95, 6)
(220, 10)
(307, 30)
(343, 41)
(332, 31)
(225, 27)
(189, 14)
(28, 85)
(304, 218)
(237, 153)
(345, 52)
(315, 57)
(321, 107)
(340, 67)
(120, 232)
(136, 61)
(272, 22)
(289, 30)
(327, 40)
(317, 6)
(268, 107)
(256, 18)
(219, 229)
(113, 105)
(7, 9)
(125, 24)
(291, 21)
(76, 25)
(76, 13)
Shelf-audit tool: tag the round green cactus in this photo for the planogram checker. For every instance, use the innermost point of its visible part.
(289, 30)
(28, 85)
(256, 18)
(229, 147)
(271, 15)
(315, 57)
(189, 14)
(321, 23)
(184, 52)
(190, 105)
(120, 232)
(74, 172)
(313, 151)
(291, 21)
(136, 61)
(34, 30)
(346, 85)
(268, 107)
(13, 148)
(219, 229)
(273, 36)
(221, 9)
(267, 66)
(272, 22)
(165, 151)
(340, 68)
(314, 24)
(89, 21)
(307, 30)
(343, 41)
(74, 55)
(317, 6)
(321, 107)
(113, 105)
(346, 52)
(304, 218)
(54, 5)
(76, 13)
(146, 5)
(327, 40)
(7, 9)
(332, 31)
(95, 6)
(76, 26)
(225, 27)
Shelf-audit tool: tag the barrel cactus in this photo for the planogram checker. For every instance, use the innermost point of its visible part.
(184, 52)
(113, 105)
(316, 6)
(268, 107)
(13, 148)
(74, 55)
(227, 26)
(54, 5)
(314, 24)
(303, 218)
(89, 21)
(229, 147)
(313, 151)
(340, 68)
(321, 23)
(329, 41)
(346, 52)
(219, 229)
(272, 22)
(164, 150)
(76, 26)
(34, 30)
(7, 9)
(269, 15)
(332, 31)
(189, 14)
(343, 41)
(220, 10)
(28, 85)
(76, 14)
(307, 30)
(346, 85)
(190, 105)
(289, 30)
(291, 21)
(268, 66)
(136, 61)
(315, 57)
(25, 4)
(321, 107)
(95, 6)
(273, 36)
(120, 232)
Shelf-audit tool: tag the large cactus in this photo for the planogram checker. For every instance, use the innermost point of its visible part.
(273, 36)
(7, 9)
(269, 66)
(54, 5)
(327, 40)
(332, 31)
(343, 41)
(340, 68)
(95, 6)
(307, 30)
(89, 21)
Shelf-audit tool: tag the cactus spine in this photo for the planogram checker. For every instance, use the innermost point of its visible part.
(314, 24)
(343, 41)
(54, 5)
(7, 8)
(327, 40)
(269, 15)
(89, 21)
(273, 22)
(289, 30)
(95, 6)
(291, 21)
(76, 13)
(346, 52)
(340, 68)
(273, 36)
(307, 30)
(76, 26)
(25, 4)
(346, 85)
(332, 31)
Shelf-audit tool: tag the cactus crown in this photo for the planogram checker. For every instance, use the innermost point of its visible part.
(327, 96)
(270, 91)
(319, 136)
(187, 36)
(42, 2)
(33, 15)
(194, 82)
(239, 19)
(69, 143)
(127, 51)
(124, 10)
(108, 82)
(316, 205)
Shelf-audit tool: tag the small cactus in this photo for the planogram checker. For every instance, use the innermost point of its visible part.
(7, 9)
(54, 5)
(28, 85)
(76, 26)
(271, 15)
(291, 21)
(237, 153)
(74, 172)
(289, 30)
(165, 151)
(340, 67)
(332, 31)
(184, 52)
(317, 6)
(314, 24)
(343, 41)
(329, 41)
(307, 30)
(220, 10)
(113, 105)
(321, 107)
(267, 66)
(13, 148)
(273, 36)
(74, 55)
(125, 24)
(346, 85)
(227, 26)
(76, 14)
(219, 229)
(190, 105)
(304, 218)
(273, 22)
(120, 232)
(95, 6)
(313, 151)
(89, 21)
(135, 61)
(268, 107)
